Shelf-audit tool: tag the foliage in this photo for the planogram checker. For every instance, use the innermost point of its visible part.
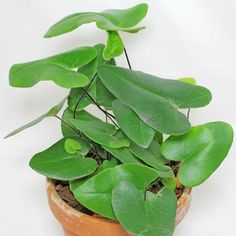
(112, 164)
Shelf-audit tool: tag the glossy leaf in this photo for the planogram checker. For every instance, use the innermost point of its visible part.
(68, 116)
(57, 69)
(112, 20)
(89, 70)
(75, 95)
(138, 131)
(153, 159)
(56, 163)
(74, 184)
(72, 146)
(114, 47)
(103, 95)
(52, 112)
(153, 217)
(122, 154)
(200, 151)
(153, 99)
(95, 194)
(102, 133)
(96, 90)
(155, 150)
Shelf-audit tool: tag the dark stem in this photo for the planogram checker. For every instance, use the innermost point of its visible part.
(84, 92)
(106, 118)
(69, 126)
(188, 115)
(96, 151)
(145, 193)
(127, 58)
(108, 115)
(103, 110)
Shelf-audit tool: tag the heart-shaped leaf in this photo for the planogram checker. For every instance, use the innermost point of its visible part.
(200, 151)
(56, 163)
(102, 133)
(56, 68)
(138, 131)
(95, 194)
(114, 47)
(51, 113)
(153, 99)
(153, 217)
(72, 146)
(112, 20)
(152, 158)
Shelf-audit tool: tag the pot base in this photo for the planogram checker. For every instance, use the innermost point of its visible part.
(76, 223)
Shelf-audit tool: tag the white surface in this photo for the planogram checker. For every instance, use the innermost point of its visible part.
(183, 38)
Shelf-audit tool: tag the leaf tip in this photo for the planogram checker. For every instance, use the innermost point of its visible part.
(48, 34)
(7, 136)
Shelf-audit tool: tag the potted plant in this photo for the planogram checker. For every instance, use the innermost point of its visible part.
(131, 173)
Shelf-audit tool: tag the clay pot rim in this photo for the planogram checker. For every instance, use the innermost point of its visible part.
(62, 204)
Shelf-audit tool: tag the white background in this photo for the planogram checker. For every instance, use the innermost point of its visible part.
(183, 38)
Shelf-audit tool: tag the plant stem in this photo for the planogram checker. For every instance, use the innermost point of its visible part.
(84, 92)
(188, 115)
(94, 146)
(108, 115)
(64, 122)
(127, 58)
(103, 110)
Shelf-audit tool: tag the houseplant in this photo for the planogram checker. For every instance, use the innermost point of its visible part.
(122, 169)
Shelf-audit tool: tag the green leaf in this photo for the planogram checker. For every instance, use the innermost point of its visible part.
(153, 99)
(72, 146)
(159, 137)
(152, 158)
(89, 70)
(51, 113)
(102, 133)
(170, 183)
(75, 95)
(122, 154)
(111, 20)
(96, 90)
(132, 125)
(68, 116)
(155, 216)
(56, 163)
(57, 69)
(104, 97)
(66, 131)
(108, 164)
(74, 184)
(188, 80)
(200, 151)
(95, 194)
(114, 47)
(155, 150)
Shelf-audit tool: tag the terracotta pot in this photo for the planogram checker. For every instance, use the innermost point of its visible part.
(76, 223)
